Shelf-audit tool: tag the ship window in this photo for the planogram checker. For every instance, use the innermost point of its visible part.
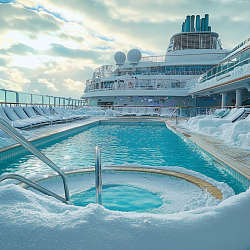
(224, 66)
(214, 70)
(245, 55)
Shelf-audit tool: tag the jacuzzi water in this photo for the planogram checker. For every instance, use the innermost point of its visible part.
(120, 197)
(123, 144)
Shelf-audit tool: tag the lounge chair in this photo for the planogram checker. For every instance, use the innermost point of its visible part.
(54, 119)
(31, 113)
(64, 114)
(141, 111)
(165, 112)
(151, 111)
(23, 116)
(16, 121)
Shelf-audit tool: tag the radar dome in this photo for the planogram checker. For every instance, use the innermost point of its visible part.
(120, 58)
(134, 56)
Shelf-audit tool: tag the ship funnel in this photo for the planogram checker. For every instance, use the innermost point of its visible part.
(206, 22)
(198, 26)
(188, 24)
(192, 23)
(203, 24)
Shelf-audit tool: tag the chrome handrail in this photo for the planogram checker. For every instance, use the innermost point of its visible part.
(33, 185)
(176, 116)
(6, 127)
(98, 176)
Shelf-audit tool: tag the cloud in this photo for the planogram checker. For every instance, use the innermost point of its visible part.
(15, 17)
(58, 50)
(49, 85)
(18, 49)
(65, 36)
(73, 85)
(16, 76)
(55, 45)
(3, 62)
(13, 79)
(7, 84)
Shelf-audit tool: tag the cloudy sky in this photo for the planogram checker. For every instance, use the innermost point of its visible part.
(53, 46)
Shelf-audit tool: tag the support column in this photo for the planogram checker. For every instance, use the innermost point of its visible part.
(238, 97)
(223, 99)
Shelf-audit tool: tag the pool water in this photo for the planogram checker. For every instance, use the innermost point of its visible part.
(121, 144)
(120, 198)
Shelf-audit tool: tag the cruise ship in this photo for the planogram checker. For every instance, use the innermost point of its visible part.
(159, 80)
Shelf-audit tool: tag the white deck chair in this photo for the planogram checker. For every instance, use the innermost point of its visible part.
(141, 111)
(31, 113)
(151, 111)
(15, 124)
(47, 113)
(16, 119)
(63, 114)
(53, 119)
(125, 111)
(23, 116)
(133, 111)
(165, 112)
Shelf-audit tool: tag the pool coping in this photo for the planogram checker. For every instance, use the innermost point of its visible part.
(237, 169)
(204, 185)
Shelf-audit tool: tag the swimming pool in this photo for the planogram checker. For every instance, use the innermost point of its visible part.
(122, 144)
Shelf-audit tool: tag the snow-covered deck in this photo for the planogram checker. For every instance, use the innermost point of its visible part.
(236, 158)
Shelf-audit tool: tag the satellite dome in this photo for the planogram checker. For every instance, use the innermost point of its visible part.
(134, 56)
(120, 58)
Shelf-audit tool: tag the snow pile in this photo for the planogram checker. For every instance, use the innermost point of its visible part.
(177, 194)
(236, 134)
(31, 221)
(6, 140)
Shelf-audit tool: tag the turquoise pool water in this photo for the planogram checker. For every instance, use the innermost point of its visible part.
(120, 198)
(121, 144)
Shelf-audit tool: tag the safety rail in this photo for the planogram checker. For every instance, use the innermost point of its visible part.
(98, 176)
(24, 104)
(176, 115)
(33, 185)
(21, 97)
(7, 128)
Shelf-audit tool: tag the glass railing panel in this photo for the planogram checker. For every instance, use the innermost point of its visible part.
(11, 97)
(245, 55)
(2, 95)
(46, 100)
(24, 98)
(37, 99)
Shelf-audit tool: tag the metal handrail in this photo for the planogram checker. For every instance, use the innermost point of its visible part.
(98, 176)
(6, 127)
(175, 112)
(33, 185)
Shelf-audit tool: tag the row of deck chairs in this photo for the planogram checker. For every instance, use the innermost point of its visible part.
(29, 117)
(144, 111)
(232, 115)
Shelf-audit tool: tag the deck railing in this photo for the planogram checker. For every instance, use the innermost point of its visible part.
(14, 97)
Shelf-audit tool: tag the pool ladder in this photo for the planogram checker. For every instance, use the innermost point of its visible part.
(98, 176)
(6, 127)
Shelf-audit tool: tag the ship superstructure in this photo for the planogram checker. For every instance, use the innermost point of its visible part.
(158, 80)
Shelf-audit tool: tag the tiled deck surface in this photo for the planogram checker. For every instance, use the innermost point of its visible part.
(237, 159)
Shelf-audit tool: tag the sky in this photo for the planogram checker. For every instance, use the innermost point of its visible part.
(52, 47)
